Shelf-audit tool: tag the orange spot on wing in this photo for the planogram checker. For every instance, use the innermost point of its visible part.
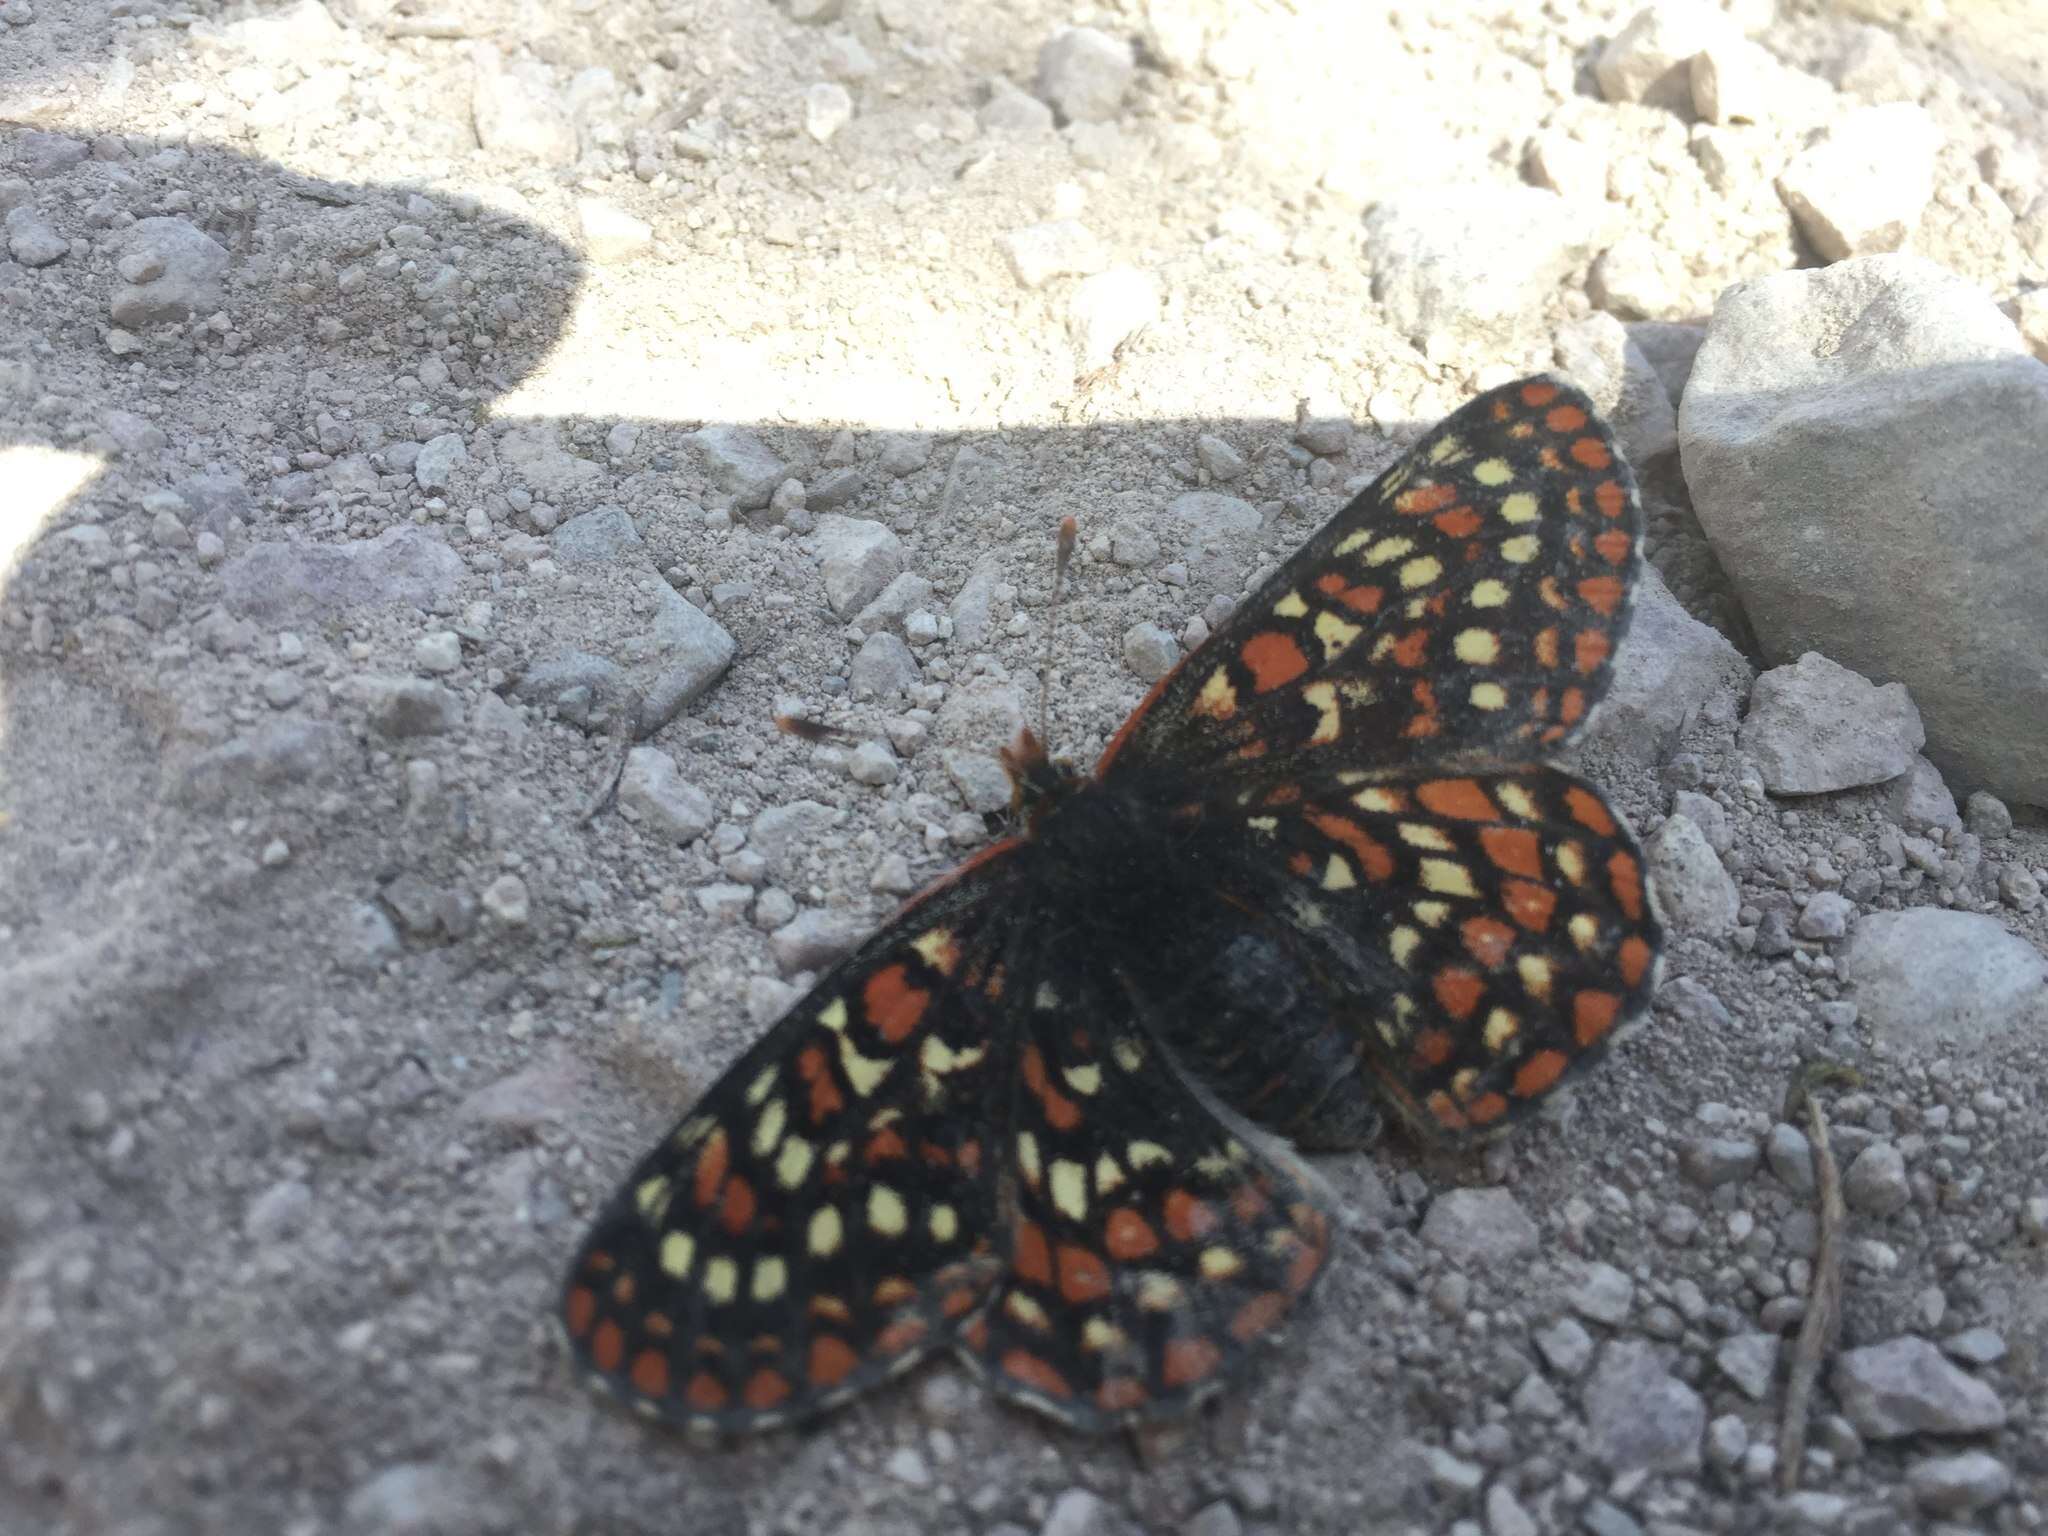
(1274, 659)
(579, 1310)
(832, 1360)
(624, 1289)
(1487, 940)
(736, 1210)
(1602, 594)
(1377, 862)
(900, 1335)
(1615, 546)
(650, 1373)
(1446, 1110)
(1625, 878)
(826, 1100)
(893, 1291)
(765, 1389)
(1588, 812)
(1609, 497)
(1083, 1275)
(1424, 722)
(1120, 1394)
(1634, 958)
(1361, 599)
(1412, 649)
(1259, 1315)
(1061, 1113)
(1301, 864)
(887, 1143)
(1486, 1109)
(607, 1346)
(1457, 992)
(1458, 522)
(1528, 903)
(1433, 1047)
(1565, 418)
(1129, 1236)
(1418, 499)
(1571, 707)
(709, 1174)
(1540, 1072)
(1186, 1217)
(1538, 393)
(1590, 647)
(1188, 1361)
(1461, 799)
(1032, 1257)
(1591, 452)
(706, 1393)
(958, 1301)
(1593, 1014)
(830, 1308)
(1036, 1373)
(892, 1005)
(1513, 849)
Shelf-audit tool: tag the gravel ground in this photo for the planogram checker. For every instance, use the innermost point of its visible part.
(406, 409)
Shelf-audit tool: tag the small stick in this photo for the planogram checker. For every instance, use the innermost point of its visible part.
(1063, 551)
(1823, 1319)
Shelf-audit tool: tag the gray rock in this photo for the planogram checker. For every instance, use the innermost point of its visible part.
(1695, 1003)
(1077, 1512)
(365, 939)
(1706, 813)
(1505, 1515)
(1038, 253)
(604, 533)
(1875, 1182)
(654, 790)
(1597, 354)
(1826, 915)
(740, 463)
(40, 154)
(1882, 416)
(273, 757)
(970, 608)
(883, 668)
(1565, 1346)
(281, 582)
(1641, 1417)
(1790, 1155)
(1750, 1360)
(1650, 59)
(873, 764)
(1710, 1161)
(816, 937)
(279, 1212)
(1149, 651)
(1987, 815)
(1479, 1227)
(1223, 462)
(983, 781)
(1956, 1485)
(32, 241)
(1454, 264)
(828, 107)
(781, 832)
(1695, 892)
(1815, 727)
(1603, 1295)
(505, 901)
(517, 111)
(1975, 1346)
(1670, 346)
(1918, 799)
(1905, 1386)
(1927, 978)
(1669, 669)
(1859, 188)
(904, 453)
(1084, 74)
(439, 458)
(401, 707)
(893, 606)
(188, 265)
(859, 558)
(834, 488)
(1009, 110)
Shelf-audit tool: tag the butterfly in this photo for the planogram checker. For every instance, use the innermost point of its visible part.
(1322, 876)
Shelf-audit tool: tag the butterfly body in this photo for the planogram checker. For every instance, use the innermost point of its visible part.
(1322, 874)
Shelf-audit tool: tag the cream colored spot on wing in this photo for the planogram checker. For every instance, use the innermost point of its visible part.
(1069, 1189)
(1219, 1263)
(1402, 944)
(944, 1223)
(1085, 1079)
(1108, 1175)
(721, 1280)
(1488, 696)
(1158, 1292)
(1515, 799)
(1534, 972)
(1128, 1052)
(1448, 449)
(939, 1058)
(1521, 549)
(1026, 1311)
(1377, 797)
(692, 1131)
(1430, 914)
(1027, 1157)
(1335, 634)
(678, 1253)
(1476, 647)
(1146, 1154)
(1492, 472)
(1218, 697)
(769, 1127)
(825, 1233)
(1337, 875)
(651, 1198)
(1265, 826)
(1046, 998)
(936, 950)
(1322, 697)
(1521, 507)
(1422, 571)
(1571, 862)
(1290, 607)
(1102, 1336)
(771, 1276)
(864, 1073)
(1584, 929)
(1384, 551)
(762, 1086)
(1447, 877)
(1501, 1029)
(1488, 594)
(833, 1014)
(793, 1162)
(1420, 834)
(887, 1214)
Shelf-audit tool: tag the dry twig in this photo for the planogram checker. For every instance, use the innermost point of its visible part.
(1824, 1299)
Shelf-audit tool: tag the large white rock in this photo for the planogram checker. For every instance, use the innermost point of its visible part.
(1466, 258)
(1867, 448)
(1859, 188)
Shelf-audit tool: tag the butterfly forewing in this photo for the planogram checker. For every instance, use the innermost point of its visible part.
(825, 1215)
(1467, 603)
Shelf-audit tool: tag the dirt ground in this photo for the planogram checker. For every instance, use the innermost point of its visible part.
(403, 403)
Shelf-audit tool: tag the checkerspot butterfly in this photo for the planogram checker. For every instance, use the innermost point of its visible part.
(1323, 871)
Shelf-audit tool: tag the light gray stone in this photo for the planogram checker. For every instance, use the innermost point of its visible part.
(1750, 1360)
(816, 937)
(828, 107)
(1149, 651)
(1456, 263)
(1695, 892)
(859, 558)
(1958, 1484)
(189, 265)
(1649, 60)
(439, 458)
(1875, 1182)
(286, 582)
(983, 781)
(1597, 354)
(1926, 978)
(654, 790)
(1084, 73)
(1859, 189)
(516, 109)
(1905, 1386)
(883, 667)
(1603, 1295)
(1038, 253)
(1479, 1227)
(894, 604)
(1877, 417)
(740, 463)
(1669, 669)
(1815, 727)
(410, 706)
(1641, 1417)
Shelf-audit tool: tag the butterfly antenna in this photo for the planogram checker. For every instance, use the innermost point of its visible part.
(1070, 531)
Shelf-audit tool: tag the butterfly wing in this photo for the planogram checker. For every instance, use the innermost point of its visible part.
(1363, 743)
(825, 1216)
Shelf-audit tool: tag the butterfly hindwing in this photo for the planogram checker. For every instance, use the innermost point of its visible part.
(1466, 604)
(825, 1215)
